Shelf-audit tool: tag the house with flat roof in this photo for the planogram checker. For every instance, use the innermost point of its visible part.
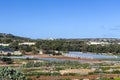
(28, 43)
(2, 44)
(9, 52)
(97, 43)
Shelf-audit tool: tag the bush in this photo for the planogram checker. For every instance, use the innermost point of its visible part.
(7, 60)
(72, 74)
(43, 73)
(33, 64)
(65, 79)
(11, 74)
(116, 72)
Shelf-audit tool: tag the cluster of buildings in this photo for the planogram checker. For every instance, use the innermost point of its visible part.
(24, 43)
(101, 43)
(11, 52)
(97, 43)
(28, 43)
(1, 44)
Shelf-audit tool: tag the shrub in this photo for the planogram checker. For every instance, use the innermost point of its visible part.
(7, 60)
(11, 74)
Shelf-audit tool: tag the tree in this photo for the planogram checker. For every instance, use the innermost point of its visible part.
(14, 46)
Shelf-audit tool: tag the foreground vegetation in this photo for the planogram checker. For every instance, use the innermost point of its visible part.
(38, 68)
(11, 74)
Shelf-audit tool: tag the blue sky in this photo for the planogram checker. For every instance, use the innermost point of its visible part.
(61, 18)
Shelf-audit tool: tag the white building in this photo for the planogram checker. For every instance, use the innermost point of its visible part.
(10, 53)
(118, 43)
(41, 52)
(1, 44)
(16, 53)
(97, 43)
(27, 43)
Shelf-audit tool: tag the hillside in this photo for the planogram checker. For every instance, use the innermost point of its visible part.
(8, 38)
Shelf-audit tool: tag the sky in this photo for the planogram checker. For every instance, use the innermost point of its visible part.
(61, 18)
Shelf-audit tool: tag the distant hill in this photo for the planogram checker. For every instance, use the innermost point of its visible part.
(92, 39)
(101, 39)
(7, 38)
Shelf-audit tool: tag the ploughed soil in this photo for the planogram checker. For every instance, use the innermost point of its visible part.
(64, 57)
(79, 71)
(90, 77)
